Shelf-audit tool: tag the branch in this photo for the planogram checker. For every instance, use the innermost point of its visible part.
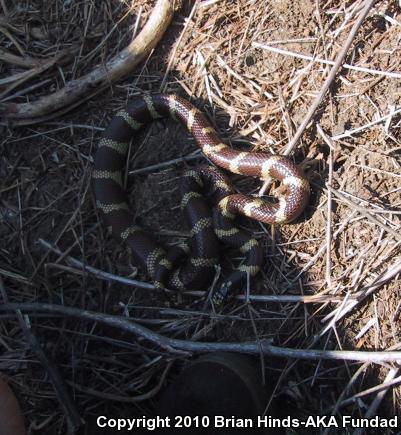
(107, 276)
(266, 47)
(76, 91)
(186, 346)
(330, 78)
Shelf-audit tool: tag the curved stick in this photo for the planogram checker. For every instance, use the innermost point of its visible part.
(186, 347)
(75, 91)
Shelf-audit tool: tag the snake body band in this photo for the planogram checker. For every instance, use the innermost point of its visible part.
(193, 267)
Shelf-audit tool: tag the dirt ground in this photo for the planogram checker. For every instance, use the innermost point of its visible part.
(345, 248)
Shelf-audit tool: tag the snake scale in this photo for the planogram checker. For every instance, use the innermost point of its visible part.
(194, 268)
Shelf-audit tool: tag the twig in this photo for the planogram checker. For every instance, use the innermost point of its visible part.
(321, 249)
(395, 75)
(135, 283)
(19, 78)
(178, 346)
(96, 272)
(378, 388)
(125, 399)
(371, 412)
(76, 91)
(71, 413)
(337, 65)
(364, 212)
(24, 91)
(201, 61)
(5, 8)
(174, 52)
(206, 3)
(350, 383)
(392, 271)
(23, 61)
(329, 230)
(193, 156)
(318, 298)
(252, 86)
(349, 133)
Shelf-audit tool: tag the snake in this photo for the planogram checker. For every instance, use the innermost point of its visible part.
(193, 266)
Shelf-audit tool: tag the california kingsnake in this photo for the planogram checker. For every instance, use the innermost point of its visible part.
(175, 269)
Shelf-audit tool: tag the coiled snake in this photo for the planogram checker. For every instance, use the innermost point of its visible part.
(175, 269)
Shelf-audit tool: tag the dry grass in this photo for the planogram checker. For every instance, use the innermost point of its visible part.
(346, 248)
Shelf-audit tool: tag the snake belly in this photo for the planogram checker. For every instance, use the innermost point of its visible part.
(193, 267)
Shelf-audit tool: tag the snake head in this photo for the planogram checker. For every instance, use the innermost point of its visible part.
(221, 293)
